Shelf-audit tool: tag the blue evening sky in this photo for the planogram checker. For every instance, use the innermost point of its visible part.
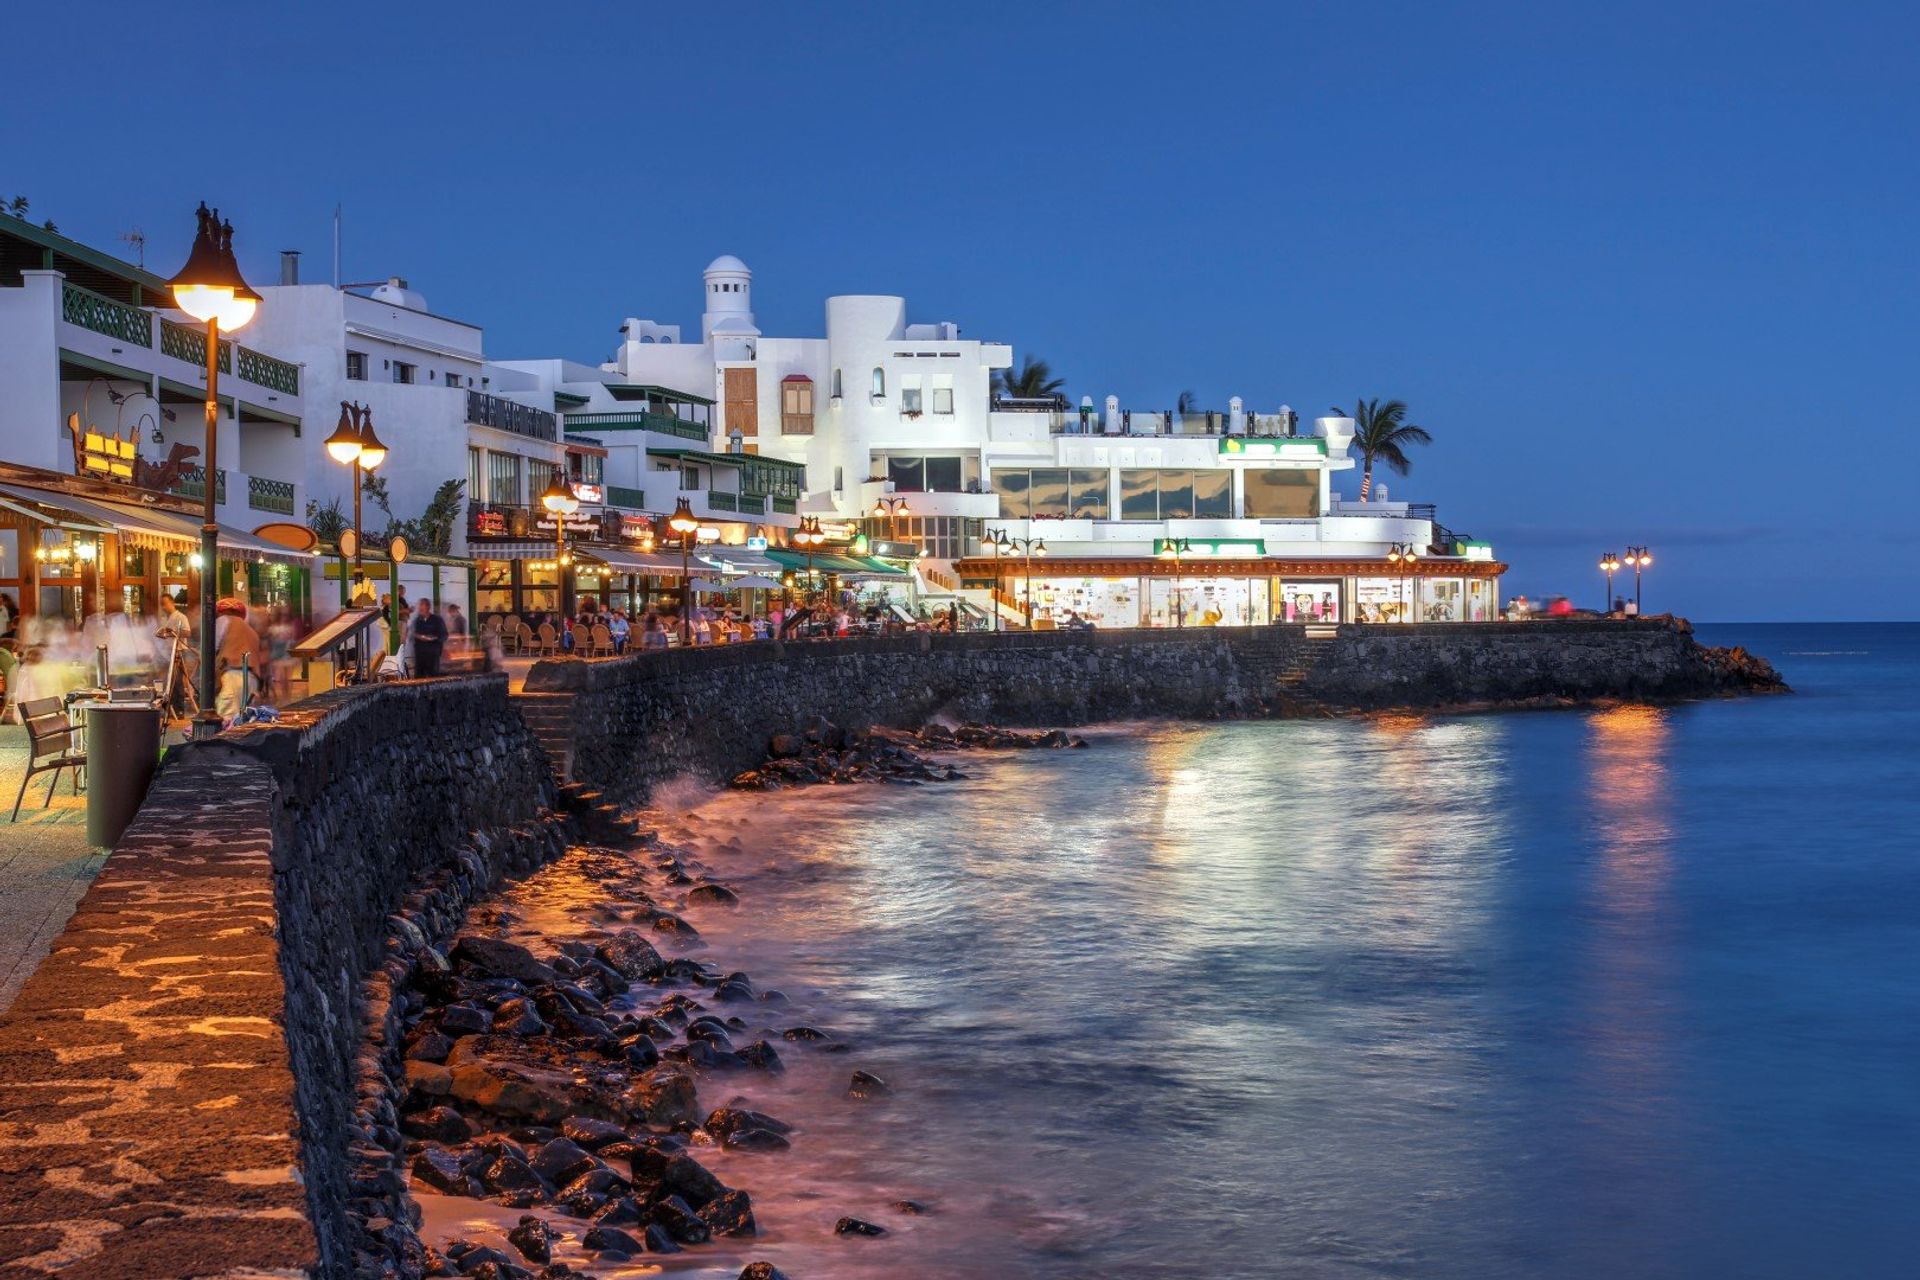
(1646, 271)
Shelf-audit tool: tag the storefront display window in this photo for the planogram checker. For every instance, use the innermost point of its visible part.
(1308, 602)
(1383, 600)
(493, 586)
(1443, 600)
(1479, 600)
(1207, 602)
(1105, 602)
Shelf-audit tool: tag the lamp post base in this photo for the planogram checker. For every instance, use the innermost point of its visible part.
(207, 724)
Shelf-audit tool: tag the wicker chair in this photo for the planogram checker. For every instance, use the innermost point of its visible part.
(548, 643)
(602, 645)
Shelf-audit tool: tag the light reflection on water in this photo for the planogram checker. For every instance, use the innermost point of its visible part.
(1487, 997)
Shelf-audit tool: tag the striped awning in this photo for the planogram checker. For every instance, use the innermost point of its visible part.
(149, 528)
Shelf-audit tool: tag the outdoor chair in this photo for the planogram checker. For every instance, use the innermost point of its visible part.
(549, 642)
(523, 639)
(602, 642)
(52, 747)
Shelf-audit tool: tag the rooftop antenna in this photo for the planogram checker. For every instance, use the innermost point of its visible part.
(138, 239)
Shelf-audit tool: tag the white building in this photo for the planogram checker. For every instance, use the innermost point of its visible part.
(101, 463)
(1031, 509)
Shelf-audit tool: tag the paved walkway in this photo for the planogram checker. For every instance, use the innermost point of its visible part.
(46, 864)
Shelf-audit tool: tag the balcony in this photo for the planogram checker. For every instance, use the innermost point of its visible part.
(276, 496)
(192, 485)
(134, 326)
(505, 415)
(640, 420)
(631, 499)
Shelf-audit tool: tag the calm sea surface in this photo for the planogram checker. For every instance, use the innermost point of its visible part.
(1631, 993)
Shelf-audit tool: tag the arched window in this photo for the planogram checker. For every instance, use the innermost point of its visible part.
(836, 384)
(879, 381)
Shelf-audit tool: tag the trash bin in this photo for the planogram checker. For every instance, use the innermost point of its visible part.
(123, 750)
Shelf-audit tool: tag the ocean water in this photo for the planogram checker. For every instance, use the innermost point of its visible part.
(1623, 993)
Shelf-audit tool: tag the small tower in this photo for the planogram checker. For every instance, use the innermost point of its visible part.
(729, 298)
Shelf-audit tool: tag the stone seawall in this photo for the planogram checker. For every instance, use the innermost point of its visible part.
(640, 720)
(200, 1080)
(194, 1082)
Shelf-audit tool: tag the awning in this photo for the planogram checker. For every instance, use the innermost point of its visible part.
(833, 562)
(737, 560)
(751, 582)
(148, 527)
(649, 563)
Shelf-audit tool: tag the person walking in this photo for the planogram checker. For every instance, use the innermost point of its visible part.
(238, 658)
(429, 635)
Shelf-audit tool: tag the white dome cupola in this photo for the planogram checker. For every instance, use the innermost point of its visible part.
(729, 298)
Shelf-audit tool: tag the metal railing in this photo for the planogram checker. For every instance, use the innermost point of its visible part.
(504, 415)
(192, 484)
(752, 504)
(619, 496)
(641, 420)
(265, 371)
(722, 501)
(264, 494)
(785, 506)
(184, 342)
(103, 315)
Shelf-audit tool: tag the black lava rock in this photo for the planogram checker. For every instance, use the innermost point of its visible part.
(856, 1227)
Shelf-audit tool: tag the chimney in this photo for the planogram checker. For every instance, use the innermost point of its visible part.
(289, 266)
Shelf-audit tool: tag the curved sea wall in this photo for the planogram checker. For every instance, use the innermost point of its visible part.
(201, 1079)
(630, 723)
(198, 1080)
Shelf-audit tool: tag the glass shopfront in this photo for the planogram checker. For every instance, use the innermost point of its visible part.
(493, 590)
(1317, 600)
(1105, 602)
(1207, 602)
(1479, 599)
(1383, 600)
(1443, 600)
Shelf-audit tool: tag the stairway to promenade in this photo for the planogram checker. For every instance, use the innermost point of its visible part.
(550, 717)
(1280, 677)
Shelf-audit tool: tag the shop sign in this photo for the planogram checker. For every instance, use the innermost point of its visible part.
(1219, 548)
(894, 550)
(490, 524)
(590, 493)
(576, 523)
(636, 526)
(756, 543)
(1474, 550)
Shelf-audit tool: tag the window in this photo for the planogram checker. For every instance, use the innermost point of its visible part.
(943, 399)
(503, 478)
(690, 479)
(836, 384)
(1012, 488)
(476, 475)
(1176, 495)
(939, 537)
(402, 372)
(1088, 494)
(1049, 491)
(909, 400)
(356, 366)
(912, 474)
(540, 476)
(839, 480)
(1282, 495)
(879, 382)
(796, 408)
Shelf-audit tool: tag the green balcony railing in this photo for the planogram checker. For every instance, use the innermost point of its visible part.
(722, 501)
(632, 499)
(185, 342)
(266, 371)
(103, 315)
(785, 506)
(268, 495)
(192, 484)
(636, 420)
(752, 504)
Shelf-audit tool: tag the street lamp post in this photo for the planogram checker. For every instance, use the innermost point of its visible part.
(210, 289)
(1609, 565)
(354, 444)
(810, 536)
(892, 509)
(1407, 555)
(686, 527)
(1176, 550)
(1028, 548)
(560, 501)
(1639, 558)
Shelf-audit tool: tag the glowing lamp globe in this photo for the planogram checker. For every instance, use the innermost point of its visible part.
(210, 286)
(682, 520)
(343, 445)
(372, 452)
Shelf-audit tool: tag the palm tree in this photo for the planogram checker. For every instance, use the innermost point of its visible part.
(1189, 403)
(1035, 381)
(1382, 431)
